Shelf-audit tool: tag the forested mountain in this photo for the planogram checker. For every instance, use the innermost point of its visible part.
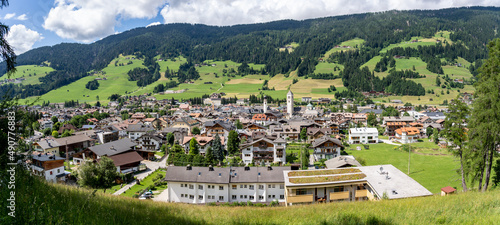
(471, 29)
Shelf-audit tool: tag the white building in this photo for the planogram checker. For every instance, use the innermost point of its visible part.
(289, 103)
(199, 185)
(49, 166)
(363, 135)
(407, 135)
(265, 151)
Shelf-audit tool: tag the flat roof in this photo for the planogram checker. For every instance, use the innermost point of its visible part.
(323, 177)
(390, 180)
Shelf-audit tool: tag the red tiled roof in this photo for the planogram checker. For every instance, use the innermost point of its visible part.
(448, 189)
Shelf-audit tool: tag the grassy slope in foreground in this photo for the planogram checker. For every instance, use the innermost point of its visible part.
(40, 203)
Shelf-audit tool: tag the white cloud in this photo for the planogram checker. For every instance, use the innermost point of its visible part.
(88, 20)
(153, 24)
(22, 38)
(9, 16)
(22, 17)
(230, 12)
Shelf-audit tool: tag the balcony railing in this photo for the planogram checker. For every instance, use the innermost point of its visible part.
(361, 193)
(339, 195)
(300, 198)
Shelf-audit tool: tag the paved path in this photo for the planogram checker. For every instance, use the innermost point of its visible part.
(389, 142)
(162, 197)
(151, 167)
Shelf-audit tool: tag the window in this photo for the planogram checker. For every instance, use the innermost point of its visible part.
(282, 186)
(274, 196)
(221, 198)
(248, 155)
(268, 196)
(221, 188)
(233, 197)
(302, 191)
(261, 197)
(274, 186)
(338, 189)
(268, 186)
(200, 197)
(241, 196)
(182, 185)
(245, 186)
(241, 185)
(200, 187)
(58, 170)
(191, 186)
(182, 195)
(251, 197)
(251, 187)
(191, 196)
(282, 196)
(211, 186)
(261, 187)
(245, 197)
(235, 186)
(50, 172)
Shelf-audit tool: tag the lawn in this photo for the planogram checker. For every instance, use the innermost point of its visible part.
(145, 183)
(431, 171)
(30, 73)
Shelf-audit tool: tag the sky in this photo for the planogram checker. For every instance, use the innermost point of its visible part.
(49, 22)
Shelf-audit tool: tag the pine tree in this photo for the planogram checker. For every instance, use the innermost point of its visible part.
(218, 149)
(456, 132)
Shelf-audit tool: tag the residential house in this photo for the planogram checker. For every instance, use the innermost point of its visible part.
(314, 133)
(204, 142)
(49, 166)
(264, 151)
(186, 122)
(217, 127)
(137, 130)
(407, 135)
(326, 148)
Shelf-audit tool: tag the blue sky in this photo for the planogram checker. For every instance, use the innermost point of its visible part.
(49, 22)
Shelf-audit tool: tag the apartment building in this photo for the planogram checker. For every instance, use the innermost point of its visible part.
(363, 135)
(200, 185)
(264, 150)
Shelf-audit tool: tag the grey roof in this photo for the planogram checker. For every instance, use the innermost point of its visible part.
(226, 126)
(114, 147)
(227, 175)
(376, 111)
(341, 161)
(197, 175)
(138, 128)
(73, 139)
(46, 157)
(48, 143)
(324, 139)
(395, 183)
(258, 174)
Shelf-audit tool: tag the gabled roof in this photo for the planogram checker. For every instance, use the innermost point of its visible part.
(126, 158)
(226, 126)
(73, 139)
(341, 161)
(113, 148)
(48, 143)
(322, 140)
(138, 128)
(46, 157)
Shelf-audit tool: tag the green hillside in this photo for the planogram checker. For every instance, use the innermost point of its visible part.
(30, 73)
(40, 203)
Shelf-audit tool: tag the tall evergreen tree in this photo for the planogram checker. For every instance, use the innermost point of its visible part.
(456, 132)
(485, 122)
(218, 149)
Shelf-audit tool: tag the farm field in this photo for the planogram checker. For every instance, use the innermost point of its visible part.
(416, 41)
(351, 44)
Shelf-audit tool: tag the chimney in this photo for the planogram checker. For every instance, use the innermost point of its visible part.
(269, 168)
(210, 168)
(188, 167)
(247, 168)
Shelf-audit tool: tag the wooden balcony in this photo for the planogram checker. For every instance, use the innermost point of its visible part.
(361, 193)
(339, 195)
(300, 198)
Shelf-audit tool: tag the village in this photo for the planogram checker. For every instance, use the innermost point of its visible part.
(261, 143)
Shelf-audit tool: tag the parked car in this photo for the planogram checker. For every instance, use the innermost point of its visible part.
(147, 195)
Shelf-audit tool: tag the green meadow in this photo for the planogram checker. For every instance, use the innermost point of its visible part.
(353, 44)
(38, 202)
(432, 167)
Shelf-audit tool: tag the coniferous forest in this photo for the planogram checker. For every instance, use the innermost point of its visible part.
(471, 29)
